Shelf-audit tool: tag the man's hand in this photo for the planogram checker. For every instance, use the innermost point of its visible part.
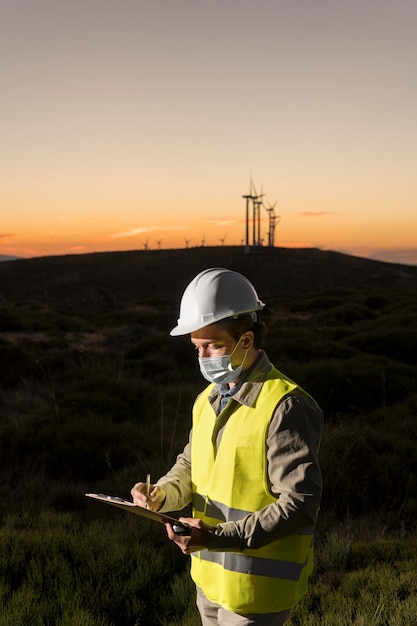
(153, 501)
(190, 543)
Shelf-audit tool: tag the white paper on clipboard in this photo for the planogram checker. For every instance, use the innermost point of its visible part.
(134, 508)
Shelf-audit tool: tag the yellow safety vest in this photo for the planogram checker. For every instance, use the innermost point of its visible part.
(232, 483)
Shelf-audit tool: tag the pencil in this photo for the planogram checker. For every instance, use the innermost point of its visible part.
(148, 488)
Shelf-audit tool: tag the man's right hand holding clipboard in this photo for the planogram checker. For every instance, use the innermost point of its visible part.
(148, 496)
(152, 497)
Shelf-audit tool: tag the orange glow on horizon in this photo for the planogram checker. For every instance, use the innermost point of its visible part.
(86, 231)
(127, 141)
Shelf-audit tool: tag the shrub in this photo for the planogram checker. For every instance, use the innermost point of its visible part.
(361, 583)
(84, 449)
(13, 365)
(52, 570)
(345, 314)
(356, 385)
(10, 321)
(399, 344)
(367, 471)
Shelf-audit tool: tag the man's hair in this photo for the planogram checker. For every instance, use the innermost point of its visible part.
(236, 327)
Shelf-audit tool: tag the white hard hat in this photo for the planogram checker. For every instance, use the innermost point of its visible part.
(214, 295)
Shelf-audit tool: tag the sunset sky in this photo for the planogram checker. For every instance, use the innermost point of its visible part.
(132, 124)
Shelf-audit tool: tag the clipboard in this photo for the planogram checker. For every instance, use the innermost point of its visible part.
(180, 528)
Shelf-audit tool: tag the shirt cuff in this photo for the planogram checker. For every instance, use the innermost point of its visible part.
(225, 538)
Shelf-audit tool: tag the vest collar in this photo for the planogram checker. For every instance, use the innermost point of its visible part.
(251, 385)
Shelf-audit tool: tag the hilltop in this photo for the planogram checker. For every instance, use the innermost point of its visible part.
(114, 279)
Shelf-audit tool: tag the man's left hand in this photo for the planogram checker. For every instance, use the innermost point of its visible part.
(190, 543)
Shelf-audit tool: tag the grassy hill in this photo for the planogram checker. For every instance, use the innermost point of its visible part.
(122, 278)
(94, 394)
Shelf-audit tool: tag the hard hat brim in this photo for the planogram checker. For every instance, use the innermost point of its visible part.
(185, 329)
(214, 295)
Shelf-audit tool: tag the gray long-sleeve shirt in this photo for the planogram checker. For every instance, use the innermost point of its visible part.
(293, 467)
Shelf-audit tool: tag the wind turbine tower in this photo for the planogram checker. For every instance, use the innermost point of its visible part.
(256, 226)
(256, 200)
(257, 221)
(248, 197)
(273, 220)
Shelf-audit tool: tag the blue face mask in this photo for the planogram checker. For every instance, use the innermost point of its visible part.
(219, 369)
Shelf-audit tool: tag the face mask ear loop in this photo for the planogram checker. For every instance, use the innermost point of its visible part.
(237, 343)
(230, 355)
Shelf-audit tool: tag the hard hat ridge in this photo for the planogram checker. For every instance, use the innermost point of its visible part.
(215, 294)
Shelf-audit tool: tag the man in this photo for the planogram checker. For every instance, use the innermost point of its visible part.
(250, 468)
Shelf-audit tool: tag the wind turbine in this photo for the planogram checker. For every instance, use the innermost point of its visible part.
(256, 226)
(248, 197)
(223, 239)
(273, 220)
(187, 241)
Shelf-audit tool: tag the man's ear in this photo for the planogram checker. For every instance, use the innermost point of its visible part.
(248, 339)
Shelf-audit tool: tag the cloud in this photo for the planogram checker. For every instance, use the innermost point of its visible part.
(129, 233)
(132, 232)
(220, 222)
(7, 235)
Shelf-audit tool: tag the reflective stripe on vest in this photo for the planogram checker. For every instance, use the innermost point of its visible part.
(239, 562)
(230, 483)
(222, 513)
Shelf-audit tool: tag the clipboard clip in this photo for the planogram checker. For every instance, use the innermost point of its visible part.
(179, 528)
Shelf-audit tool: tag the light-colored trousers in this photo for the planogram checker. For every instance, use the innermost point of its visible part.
(214, 615)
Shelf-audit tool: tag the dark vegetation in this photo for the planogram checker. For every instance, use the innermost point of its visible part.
(94, 393)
